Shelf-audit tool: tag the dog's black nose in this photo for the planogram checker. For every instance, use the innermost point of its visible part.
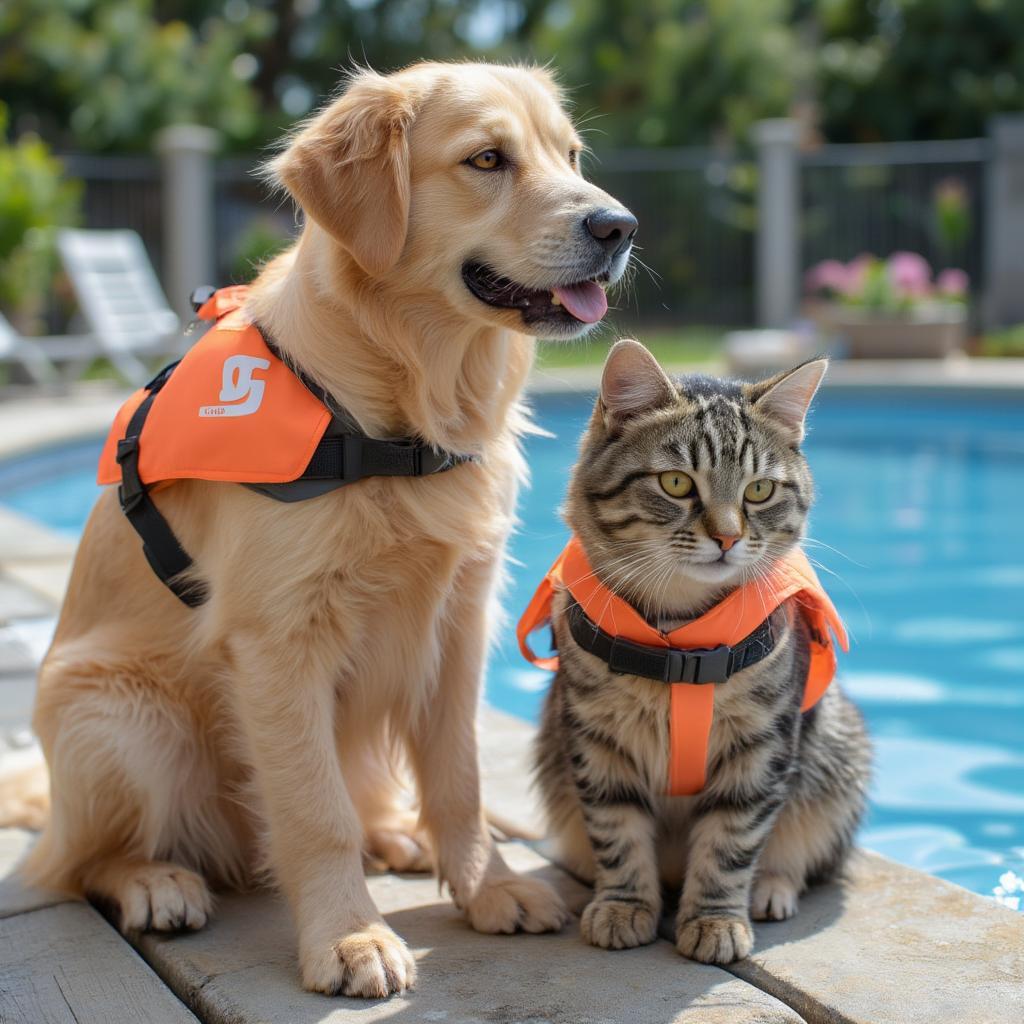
(612, 228)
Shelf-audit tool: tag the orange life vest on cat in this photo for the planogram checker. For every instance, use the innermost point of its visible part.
(707, 640)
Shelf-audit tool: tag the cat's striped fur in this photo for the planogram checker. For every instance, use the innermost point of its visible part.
(785, 791)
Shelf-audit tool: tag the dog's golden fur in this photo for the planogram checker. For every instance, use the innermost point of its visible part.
(260, 731)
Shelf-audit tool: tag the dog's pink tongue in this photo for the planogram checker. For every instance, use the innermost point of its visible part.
(586, 302)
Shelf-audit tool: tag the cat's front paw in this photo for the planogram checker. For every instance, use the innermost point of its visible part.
(616, 924)
(715, 940)
(774, 899)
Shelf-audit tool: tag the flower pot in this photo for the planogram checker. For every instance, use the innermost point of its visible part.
(931, 332)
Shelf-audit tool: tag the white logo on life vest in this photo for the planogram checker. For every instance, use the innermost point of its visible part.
(239, 388)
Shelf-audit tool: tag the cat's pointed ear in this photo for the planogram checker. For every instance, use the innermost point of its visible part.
(632, 383)
(787, 396)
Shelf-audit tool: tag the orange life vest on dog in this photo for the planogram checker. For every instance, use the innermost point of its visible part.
(233, 410)
(708, 640)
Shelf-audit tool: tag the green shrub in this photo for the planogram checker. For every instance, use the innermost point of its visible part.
(252, 247)
(1007, 341)
(36, 199)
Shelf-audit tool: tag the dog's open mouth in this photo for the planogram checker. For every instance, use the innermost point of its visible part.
(582, 302)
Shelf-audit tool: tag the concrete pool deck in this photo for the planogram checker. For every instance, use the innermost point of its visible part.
(886, 944)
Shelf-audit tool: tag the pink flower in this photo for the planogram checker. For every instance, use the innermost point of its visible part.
(910, 274)
(830, 275)
(953, 283)
(857, 273)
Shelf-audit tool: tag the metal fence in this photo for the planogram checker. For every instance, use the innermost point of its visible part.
(695, 258)
(121, 192)
(925, 197)
(247, 217)
(697, 212)
(127, 192)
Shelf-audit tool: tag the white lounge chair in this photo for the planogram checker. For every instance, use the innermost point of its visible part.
(31, 353)
(120, 298)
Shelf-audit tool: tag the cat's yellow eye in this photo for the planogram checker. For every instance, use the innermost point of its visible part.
(677, 484)
(759, 490)
(487, 160)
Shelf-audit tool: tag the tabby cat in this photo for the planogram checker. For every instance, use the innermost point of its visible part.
(683, 491)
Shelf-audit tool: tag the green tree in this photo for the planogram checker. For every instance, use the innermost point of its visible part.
(671, 72)
(106, 74)
(917, 69)
(35, 200)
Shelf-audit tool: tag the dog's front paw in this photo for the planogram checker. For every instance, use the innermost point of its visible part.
(400, 849)
(615, 924)
(715, 940)
(510, 903)
(155, 895)
(370, 963)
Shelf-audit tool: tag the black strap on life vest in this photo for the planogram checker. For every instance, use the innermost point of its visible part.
(166, 557)
(670, 664)
(345, 458)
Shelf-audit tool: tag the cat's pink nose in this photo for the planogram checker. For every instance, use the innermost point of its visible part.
(725, 540)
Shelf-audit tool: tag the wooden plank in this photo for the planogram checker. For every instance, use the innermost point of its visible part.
(66, 965)
(242, 969)
(15, 896)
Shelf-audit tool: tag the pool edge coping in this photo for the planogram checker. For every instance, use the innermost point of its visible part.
(960, 375)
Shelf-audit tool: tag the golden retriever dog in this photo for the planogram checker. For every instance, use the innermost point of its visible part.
(446, 225)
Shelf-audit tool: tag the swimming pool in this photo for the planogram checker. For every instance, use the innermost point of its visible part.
(919, 497)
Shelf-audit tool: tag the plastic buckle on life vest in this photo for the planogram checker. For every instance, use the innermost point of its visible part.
(707, 665)
(428, 461)
(201, 296)
(131, 490)
(352, 458)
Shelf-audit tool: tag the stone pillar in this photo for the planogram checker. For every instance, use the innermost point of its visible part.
(778, 222)
(186, 158)
(1003, 302)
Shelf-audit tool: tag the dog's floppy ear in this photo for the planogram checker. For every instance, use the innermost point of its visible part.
(348, 168)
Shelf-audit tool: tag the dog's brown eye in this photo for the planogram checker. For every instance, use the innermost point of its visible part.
(488, 160)
(574, 157)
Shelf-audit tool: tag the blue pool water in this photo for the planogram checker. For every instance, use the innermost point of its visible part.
(917, 530)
